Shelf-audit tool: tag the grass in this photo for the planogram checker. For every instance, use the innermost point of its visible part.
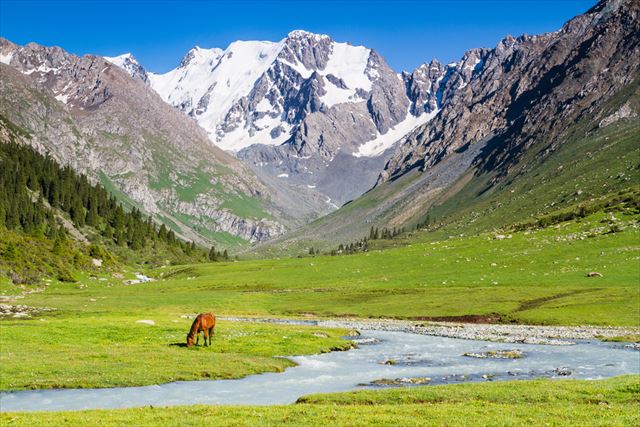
(106, 182)
(584, 162)
(537, 276)
(245, 207)
(624, 338)
(540, 402)
(113, 350)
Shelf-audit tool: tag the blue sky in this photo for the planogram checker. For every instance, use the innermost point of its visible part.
(158, 33)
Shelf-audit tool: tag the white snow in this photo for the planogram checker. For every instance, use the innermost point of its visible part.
(6, 58)
(329, 202)
(311, 186)
(349, 63)
(62, 98)
(283, 175)
(239, 138)
(335, 95)
(264, 105)
(346, 62)
(120, 60)
(44, 68)
(226, 76)
(382, 142)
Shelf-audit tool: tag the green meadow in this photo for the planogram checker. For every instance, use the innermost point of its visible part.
(533, 276)
(611, 402)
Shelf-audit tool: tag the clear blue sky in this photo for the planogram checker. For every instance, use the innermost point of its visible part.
(158, 33)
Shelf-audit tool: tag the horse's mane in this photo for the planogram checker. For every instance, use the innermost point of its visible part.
(194, 326)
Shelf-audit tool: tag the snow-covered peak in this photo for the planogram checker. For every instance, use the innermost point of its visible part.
(121, 60)
(129, 63)
(259, 92)
(209, 83)
(302, 34)
(199, 55)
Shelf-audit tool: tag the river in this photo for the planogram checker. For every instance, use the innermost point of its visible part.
(412, 356)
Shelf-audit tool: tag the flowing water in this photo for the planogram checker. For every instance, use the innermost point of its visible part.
(438, 358)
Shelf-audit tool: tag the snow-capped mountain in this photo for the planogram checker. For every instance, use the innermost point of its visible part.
(89, 114)
(306, 111)
(128, 63)
(257, 92)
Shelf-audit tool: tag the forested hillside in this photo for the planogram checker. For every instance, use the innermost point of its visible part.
(53, 220)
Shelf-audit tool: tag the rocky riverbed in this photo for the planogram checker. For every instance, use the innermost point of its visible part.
(519, 334)
(18, 310)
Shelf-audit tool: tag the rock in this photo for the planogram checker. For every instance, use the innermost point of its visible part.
(99, 107)
(562, 372)
(399, 381)
(19, 310)
(502, 236)
(388, 362)
(146, 322)
(320, 335)
(594, 274)
(96, 262)
(497, 354)
(365, 341)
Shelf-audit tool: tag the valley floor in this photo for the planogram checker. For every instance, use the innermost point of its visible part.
(110, 329)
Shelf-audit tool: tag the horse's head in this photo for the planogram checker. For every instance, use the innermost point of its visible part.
(190, 340)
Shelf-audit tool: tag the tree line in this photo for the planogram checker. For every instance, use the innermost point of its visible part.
(33, 187)
(362, 245)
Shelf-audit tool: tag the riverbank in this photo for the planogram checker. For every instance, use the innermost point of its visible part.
(518, 334)
(383, 359)
(612, 401)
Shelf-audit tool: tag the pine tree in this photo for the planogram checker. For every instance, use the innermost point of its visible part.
(212, 254)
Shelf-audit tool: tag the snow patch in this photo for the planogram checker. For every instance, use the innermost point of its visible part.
(62, 98)
(382, 142)
(6, 58)
(283, 175)
(120, 60)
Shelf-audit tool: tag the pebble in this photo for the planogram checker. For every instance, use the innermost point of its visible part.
(517, 334)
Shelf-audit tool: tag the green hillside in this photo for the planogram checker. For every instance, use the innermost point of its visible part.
(53, 222)
(589, 162)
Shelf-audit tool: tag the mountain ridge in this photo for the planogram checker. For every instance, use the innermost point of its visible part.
(116, 129)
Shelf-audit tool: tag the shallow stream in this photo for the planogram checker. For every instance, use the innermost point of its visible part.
(409, 356)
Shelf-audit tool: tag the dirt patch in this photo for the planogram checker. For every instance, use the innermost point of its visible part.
(535, 303)
(466, 318)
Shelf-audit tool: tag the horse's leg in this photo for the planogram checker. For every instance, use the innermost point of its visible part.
(211, 333)
(205, 333)
(197, 337)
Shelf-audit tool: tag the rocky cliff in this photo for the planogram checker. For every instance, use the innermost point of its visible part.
(90, 114)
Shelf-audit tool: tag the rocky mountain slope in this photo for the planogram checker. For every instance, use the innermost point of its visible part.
(567, 98)
(311, 112)
(90, 114)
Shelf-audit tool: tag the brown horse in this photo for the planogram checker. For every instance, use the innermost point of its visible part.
(205, 322)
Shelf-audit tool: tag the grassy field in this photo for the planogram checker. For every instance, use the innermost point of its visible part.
(612, 402)
(112, 350)
(536, 276)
